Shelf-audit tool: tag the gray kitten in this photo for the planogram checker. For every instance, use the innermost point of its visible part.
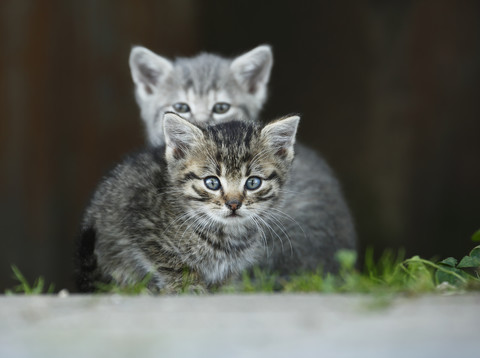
(315, 221)
(204, 89)
(199, 203)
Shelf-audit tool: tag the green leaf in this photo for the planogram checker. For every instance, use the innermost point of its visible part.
(475, 253)
(476, 236)
(450, 261)
(469, 261)
(346, 258)
(450, 275)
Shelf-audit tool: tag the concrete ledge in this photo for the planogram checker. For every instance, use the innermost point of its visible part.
(239, 326)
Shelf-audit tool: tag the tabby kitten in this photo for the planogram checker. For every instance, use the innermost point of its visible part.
(199, 203)
(314, 221)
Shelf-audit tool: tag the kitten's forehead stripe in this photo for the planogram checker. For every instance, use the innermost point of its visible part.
(188, 85)
(203, 73)
(248, 135)
(232, 135)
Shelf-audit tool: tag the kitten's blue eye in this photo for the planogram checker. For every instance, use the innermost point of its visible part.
(253, 183)
(221, 107)
(181, 107)
(212, 183)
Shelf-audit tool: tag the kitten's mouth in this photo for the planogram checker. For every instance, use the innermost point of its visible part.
(233, 214)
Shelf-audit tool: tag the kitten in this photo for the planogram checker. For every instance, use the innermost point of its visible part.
(200, 203)
(204, 89)
(315, 221)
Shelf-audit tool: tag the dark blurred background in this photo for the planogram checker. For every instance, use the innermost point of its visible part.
(388, 92)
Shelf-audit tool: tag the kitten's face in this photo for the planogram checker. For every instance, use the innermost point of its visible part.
(231, 173)
(205, 89)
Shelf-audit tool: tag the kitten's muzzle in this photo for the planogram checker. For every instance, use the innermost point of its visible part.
(233, 204)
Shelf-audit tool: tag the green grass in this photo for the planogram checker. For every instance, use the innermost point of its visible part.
(23, 287)
(392, 273)
(133, 289)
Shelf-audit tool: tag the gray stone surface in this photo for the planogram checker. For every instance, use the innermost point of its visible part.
(239, 326)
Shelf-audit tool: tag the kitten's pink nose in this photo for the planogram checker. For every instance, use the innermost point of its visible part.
(233, 204)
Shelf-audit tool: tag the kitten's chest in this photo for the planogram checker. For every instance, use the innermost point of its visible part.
(217, 257)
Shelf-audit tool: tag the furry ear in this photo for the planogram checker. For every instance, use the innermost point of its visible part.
(252, 69)
(280, 134)
(180, 135)
(147, 69)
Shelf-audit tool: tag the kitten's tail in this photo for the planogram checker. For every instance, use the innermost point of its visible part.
(86, 261)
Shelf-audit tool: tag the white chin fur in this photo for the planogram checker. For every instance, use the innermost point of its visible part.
(225, 219)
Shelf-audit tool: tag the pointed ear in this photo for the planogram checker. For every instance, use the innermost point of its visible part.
(280, 134)
(252, 69)
(148, 70)
(180, 135)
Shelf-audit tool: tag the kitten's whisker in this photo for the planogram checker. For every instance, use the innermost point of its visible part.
(190, 219)
(262, 235)
(197, 219)
(291, 219)
(202, 225)
(279, 224)
(291, 192)
(175, 221)
(271, 230)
